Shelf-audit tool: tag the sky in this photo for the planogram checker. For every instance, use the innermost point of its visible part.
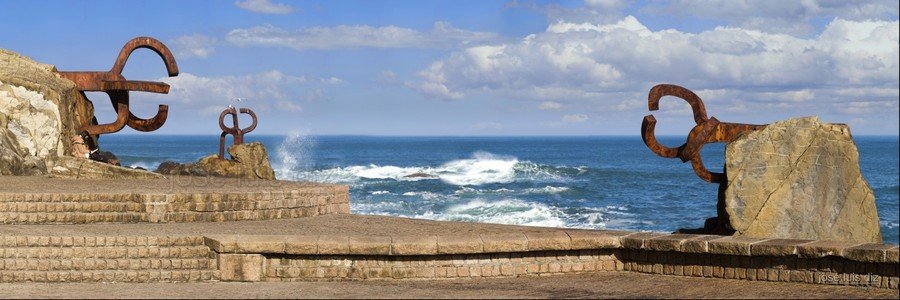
(481, 67)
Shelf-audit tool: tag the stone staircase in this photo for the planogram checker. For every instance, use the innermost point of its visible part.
(106, 259)
(71, 208)
(87, 208)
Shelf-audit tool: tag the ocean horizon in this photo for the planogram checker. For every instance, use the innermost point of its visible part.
(584, 181)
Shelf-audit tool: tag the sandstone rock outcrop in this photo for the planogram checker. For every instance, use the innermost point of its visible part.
(799, 179)
(40, 114)
(249, 160)
(72, 167)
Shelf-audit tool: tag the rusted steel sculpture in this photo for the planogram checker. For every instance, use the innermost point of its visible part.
(708, 130)
(117, 87)
(235, 131)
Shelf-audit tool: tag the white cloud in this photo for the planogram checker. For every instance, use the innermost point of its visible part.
(209, 95)
(288, 106)
(387, 77)
(442, 35)
(869, 107)
(196, 45)
(792, 17)
(577, 118)
(332, 80)
(613, 65)
(549, 105)
(265, 7)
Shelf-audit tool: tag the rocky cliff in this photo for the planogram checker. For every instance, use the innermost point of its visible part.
(799, 179)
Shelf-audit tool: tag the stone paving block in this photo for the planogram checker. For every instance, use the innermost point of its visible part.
(459, 244)
(241, 267)
(892, 255)
(548, 240)
(370, 245)
(671, 242)
(637, 240)
(777, 247)
(218, 243)
(818, 249)
(333, 244)
(868, 252)
(504, 242)
(596, 239)
(413, 245)
(732, 245)
(698, 244)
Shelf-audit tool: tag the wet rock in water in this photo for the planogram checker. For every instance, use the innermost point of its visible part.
(105, 157)
(799, 179)
(419, 175)
(249, 160)
(174, 168)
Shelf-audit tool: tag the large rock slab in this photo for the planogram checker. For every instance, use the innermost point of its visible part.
(73, 167)
(248, 160)
(39, 114)
(799, 179)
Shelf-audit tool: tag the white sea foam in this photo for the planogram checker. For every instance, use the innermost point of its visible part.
(546, 190)
(294, 155)
(146, 165)
(506, 211)
(423, 195)
(481, 168)
(381, 193)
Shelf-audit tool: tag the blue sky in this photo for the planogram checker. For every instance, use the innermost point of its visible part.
(482, 67)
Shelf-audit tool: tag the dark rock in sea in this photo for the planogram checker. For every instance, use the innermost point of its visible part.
(174, 168)
(105, 156)
(419, 175)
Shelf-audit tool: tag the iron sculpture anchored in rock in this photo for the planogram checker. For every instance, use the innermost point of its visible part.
(248, 160)
(796, 179)
(47, 123)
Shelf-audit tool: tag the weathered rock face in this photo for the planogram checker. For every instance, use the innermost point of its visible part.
(249, 160)
(799, 179)
(39, 115)
(72, 167)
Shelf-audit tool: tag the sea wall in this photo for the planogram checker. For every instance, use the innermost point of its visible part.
(293, 258)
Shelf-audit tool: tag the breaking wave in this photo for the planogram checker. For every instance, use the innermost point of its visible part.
(481, 168)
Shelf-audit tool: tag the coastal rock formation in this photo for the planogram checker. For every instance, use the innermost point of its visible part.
(799, 179)
(40, 114)
(248, 160)
(72, 167)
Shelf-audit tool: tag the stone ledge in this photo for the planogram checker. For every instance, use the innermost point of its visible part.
(553, 240)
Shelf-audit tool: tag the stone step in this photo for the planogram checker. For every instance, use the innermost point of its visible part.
(71, 217)
(60, 207)
(73, 197)
(99, 241)
(107, 252)
(78, 264)
(109, 276)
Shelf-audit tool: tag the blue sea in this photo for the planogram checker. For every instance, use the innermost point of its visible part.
(582, 182)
